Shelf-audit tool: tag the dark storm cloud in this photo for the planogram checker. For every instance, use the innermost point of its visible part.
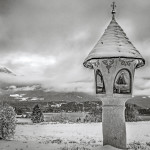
(51, 38)
(33, 25)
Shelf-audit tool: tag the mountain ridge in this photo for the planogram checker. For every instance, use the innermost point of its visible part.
(39, 95)
(6, 70)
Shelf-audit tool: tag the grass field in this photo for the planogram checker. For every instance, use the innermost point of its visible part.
(73, 136)
(70, 117)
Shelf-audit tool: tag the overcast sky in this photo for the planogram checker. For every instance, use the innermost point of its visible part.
(48, 40)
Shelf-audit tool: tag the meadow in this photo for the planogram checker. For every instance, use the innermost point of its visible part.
(73, 136)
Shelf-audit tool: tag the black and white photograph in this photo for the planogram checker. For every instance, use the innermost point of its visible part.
(74, 75)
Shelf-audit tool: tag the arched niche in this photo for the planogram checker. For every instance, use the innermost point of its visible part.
(100, 86)
(122, 82)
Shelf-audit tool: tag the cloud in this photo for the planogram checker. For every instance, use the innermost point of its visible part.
(47, 41)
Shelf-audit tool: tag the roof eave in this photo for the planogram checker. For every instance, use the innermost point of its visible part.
(89, 65)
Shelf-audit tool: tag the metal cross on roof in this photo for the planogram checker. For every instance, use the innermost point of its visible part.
(113, 5)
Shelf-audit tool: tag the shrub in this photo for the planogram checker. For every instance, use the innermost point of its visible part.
(37, 115)
(7, 122)
(131, 113)
(95, 114)
(138, 146)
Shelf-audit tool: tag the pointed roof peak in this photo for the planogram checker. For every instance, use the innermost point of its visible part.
(114, 44)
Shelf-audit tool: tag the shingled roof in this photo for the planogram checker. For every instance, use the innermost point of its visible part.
(114, 44)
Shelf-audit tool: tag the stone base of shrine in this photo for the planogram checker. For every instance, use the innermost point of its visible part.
(113, 123)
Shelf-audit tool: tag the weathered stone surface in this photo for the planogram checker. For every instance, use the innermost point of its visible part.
(109, 72)
(113, 122)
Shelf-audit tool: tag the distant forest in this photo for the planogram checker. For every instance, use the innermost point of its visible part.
(94, 108)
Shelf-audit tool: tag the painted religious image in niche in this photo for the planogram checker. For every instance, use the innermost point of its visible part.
(122, 84)
(100, 88)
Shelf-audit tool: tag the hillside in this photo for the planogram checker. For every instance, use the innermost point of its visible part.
(141, 101)
(40, 95)
(6, 71)
(37, 94)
